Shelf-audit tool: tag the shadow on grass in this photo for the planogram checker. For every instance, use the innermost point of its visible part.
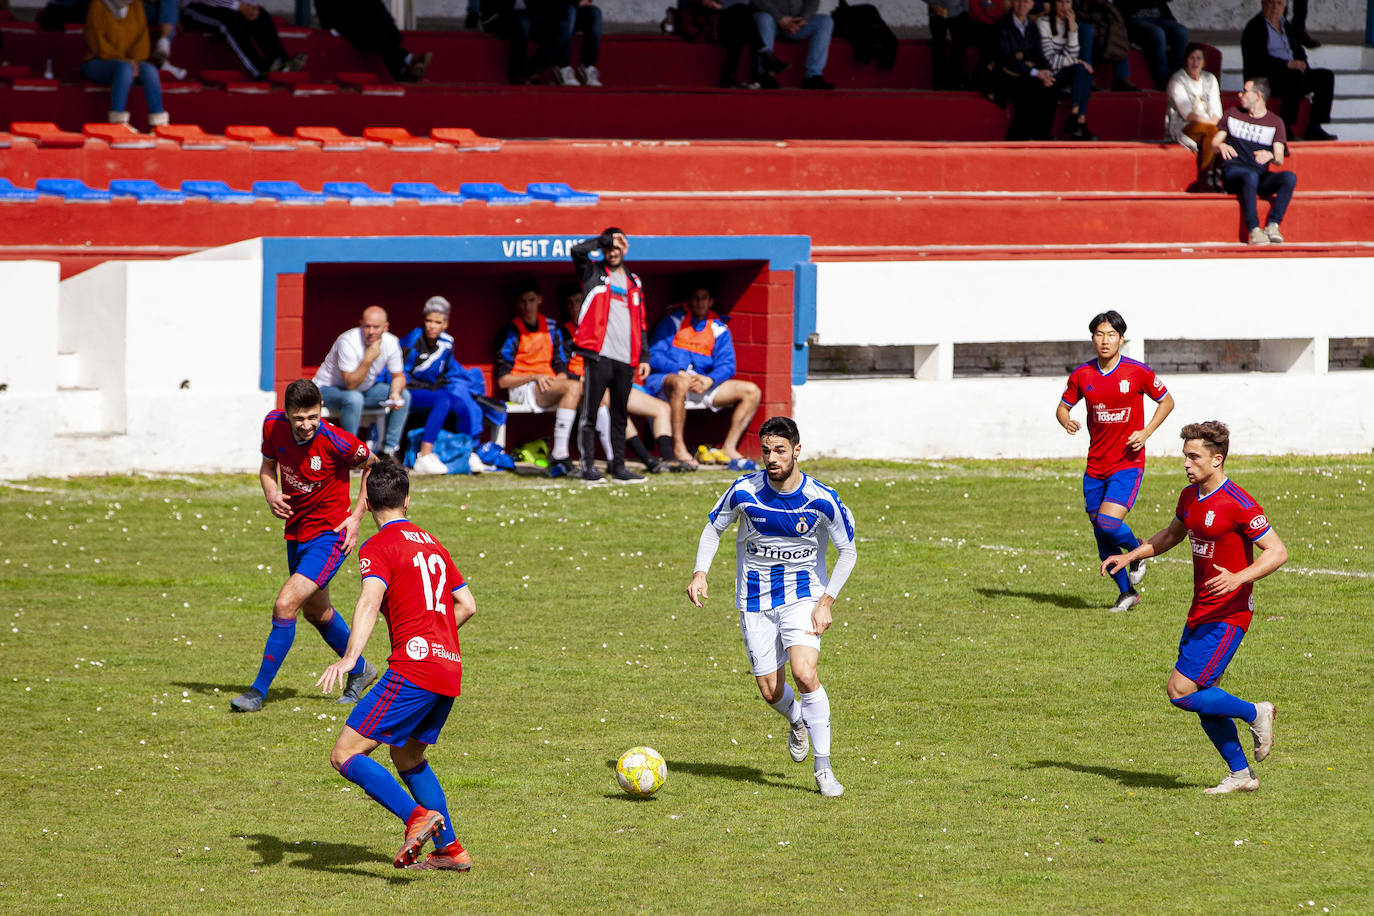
(335, 858)
(278, 693)
(729, 771)
(1068, 602)
(1135, 779)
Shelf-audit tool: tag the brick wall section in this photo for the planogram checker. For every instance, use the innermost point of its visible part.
(761, 325)
(290, 330)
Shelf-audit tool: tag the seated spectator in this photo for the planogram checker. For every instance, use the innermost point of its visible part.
(1102, 40)
(249, 31)
(576, 16)
(367, 25)
(440, 387)
(1152, 25)
(949, 40)
(349, 381)
(640, 404)
(692, 358)
(117, 49)
(1193, 112)
(1024, 76)
(736, 30)
(1059, 46)
(1269, 51)
(983, 16)
(1299, 27)
(797, 20)
(1251, 138)
(533, 370)
(518, 21)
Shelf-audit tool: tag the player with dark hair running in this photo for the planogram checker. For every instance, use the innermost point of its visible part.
(1114, 387)
(786, 520)
(313, 458)
(1224, 526)
(409, 578)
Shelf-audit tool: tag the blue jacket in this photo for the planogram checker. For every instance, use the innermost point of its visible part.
(437, 369)
(679, 343)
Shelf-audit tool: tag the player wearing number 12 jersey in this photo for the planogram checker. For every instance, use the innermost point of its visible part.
(409, 578)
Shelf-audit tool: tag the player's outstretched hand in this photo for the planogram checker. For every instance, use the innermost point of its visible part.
(1112, 565)
(280, 505)
(349, 527)
(696, 589)
(820, 619)
(1223, 583)
(1072, 426)
(335, 675)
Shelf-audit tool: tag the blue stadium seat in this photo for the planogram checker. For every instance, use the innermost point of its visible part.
(426, 192)
(145, 191)
(287, 192)
(218, 192)
(561, 194)
(494, 193)
(9, 192)
(72, 189)
(358, 193)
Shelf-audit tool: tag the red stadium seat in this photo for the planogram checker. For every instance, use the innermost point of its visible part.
(465, 138)
(191, 137)
(120, 136)
(331, 138)
(260, 138)
(47, 134)
(398, 138)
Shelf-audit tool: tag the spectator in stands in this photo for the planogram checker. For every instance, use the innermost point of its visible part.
(640, 404)
(117, 49)
(983, 17)
(1193, 112)
(518, 21)
(571, 16)
(250, 32)
(349, 381)
(368, 26)
(1152, 25)
(1299, 27)
(692, 358)
(1058, 28)
(797, 20)
(1103, 40)
(440, 387)
(1250, 139)
(1024, 76)
(611, 341)
(949, 22)
(737, 30)
(533, 370)
(1269, 51)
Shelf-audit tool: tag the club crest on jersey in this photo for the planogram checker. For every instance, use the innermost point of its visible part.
(1125, 386)
(802, 526)
(417, 648)
(1211, 517)
(314, 462)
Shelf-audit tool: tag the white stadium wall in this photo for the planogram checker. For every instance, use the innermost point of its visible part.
(1293, 306)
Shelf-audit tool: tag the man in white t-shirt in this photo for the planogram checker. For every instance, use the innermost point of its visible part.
(348, 377)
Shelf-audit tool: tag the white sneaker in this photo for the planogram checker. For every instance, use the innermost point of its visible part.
(830, 787)
(430, 464)
(1272, 233)
(1234, 783)
(1263, 729)
(1135, 573)
(476, 465)
(798, 741)
(589, 75)
(564, 76)
(1257, 237)
(1127, 600)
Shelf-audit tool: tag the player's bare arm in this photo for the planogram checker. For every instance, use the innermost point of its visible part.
(350, 525)
(1161, 541)
(277, 501)
(1163, 409)
(1274, 555)
(1061, 413)
(696, 589)
(464, 606)
(364, 619)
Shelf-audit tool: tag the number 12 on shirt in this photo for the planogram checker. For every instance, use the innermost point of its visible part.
(434, 597)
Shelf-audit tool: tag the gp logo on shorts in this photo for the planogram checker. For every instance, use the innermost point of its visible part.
(1259, 523)
(417, 648)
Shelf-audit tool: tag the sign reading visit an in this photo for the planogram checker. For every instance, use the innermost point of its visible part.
(538, 248)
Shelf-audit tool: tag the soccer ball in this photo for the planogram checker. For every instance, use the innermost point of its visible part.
(641, 771)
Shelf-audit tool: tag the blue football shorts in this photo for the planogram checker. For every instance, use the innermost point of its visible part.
(1205, 650)
(318, 559)
(395, 710)
(1121, 487)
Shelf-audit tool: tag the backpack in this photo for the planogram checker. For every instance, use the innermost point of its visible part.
(863, 27)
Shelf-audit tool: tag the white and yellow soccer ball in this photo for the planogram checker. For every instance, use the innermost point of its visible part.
(641, 771)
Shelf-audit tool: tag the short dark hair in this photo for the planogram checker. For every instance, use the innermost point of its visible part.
(567, 289)
(1194, 46)
(1212, 433)
(1111, 317)
(388, 485)
(607, 237)
(782, 427)
(1262, 86)
(302, 393)
(526, 285)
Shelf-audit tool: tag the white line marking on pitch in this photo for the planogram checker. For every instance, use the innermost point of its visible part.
(1299, 570)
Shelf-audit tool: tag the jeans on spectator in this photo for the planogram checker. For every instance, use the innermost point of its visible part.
(119, 75)
(816, 32)
(1248, 183)
(735, 30)
(1121, 70)
(161, 12)
(584, 19)
(442, 404)
(347, 405)
(1163, 41)
(1079, 82)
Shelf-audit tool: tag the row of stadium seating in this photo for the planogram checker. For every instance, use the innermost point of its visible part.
(191, 137)
(357, 193)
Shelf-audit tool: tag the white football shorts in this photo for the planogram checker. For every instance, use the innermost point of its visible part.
(768, 634)
(525, 395)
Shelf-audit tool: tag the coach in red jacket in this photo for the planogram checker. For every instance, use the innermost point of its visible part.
(611, 338)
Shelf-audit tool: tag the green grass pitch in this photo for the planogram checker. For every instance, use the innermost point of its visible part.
(1004, 741)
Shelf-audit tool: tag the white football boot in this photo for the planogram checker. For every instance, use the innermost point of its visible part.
(1245, 782)
(1263, 729)
(798, 741)
(830, 786)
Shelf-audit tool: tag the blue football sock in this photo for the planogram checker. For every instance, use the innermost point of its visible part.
(1222, 731)
(1108, 532)
(335, 632)
(380, 786)
(424, 785)
(1216, 702)
(274, 653)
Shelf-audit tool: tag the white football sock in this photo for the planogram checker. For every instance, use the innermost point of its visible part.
(562, 429)
(815, 708)
(787, 706)
(603, 429)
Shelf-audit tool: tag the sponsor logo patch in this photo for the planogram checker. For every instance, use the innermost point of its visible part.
(417, 647)
(1258, 523)
(364, 566)
(1103, 415)
(1203, 547)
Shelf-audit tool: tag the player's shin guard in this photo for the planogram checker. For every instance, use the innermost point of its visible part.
(787, 705)
(274, 653)
(815, 707)
(1222, 731)
(1216, 702)
(424, 785)
(1107, 531)
(562, 430)
(335, 632)
(381, 787)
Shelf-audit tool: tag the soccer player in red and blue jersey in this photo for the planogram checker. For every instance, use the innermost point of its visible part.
(313, 459)
(1224, 525)
(409, 578)
(1114, 387)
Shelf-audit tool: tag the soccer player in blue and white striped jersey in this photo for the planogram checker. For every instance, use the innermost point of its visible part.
(782, 590)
